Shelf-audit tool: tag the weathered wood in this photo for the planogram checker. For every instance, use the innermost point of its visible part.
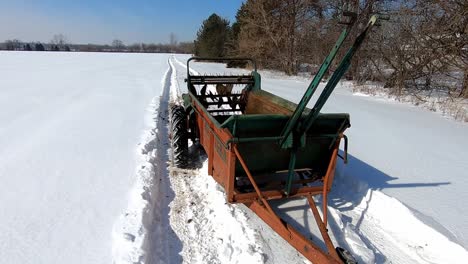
(259, 104)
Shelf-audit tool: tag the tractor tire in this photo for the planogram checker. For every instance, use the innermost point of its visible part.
(179, 136)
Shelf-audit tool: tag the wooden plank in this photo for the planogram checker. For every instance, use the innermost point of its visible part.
(257, 104)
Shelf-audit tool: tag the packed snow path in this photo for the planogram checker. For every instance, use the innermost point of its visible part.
(70, 125)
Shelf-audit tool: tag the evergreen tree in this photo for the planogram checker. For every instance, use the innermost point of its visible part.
(232, 46)
(9, 45)
(212, 37)
(242, 12)
(39, 47)
(27, 47)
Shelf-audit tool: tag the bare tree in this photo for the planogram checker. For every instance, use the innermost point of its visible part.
(59, 40)
(9, 45)
(271, 30)
(186, 47)
(424, 47)
(14, 44)
(118, 44)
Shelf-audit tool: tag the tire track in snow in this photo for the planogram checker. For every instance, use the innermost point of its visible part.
(163, 245)
(212, 230)
(143, 233)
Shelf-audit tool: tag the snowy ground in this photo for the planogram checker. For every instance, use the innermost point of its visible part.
(436, 101)
(70, 125)
(86, 178)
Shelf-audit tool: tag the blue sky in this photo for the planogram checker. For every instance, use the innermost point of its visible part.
(101, 21)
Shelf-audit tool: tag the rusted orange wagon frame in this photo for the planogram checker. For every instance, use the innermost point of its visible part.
(223, 155)
(262, 147)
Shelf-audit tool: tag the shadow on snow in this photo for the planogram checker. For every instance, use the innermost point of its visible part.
(351, 185)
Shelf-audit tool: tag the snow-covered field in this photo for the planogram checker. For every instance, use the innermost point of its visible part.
(70, 125)
(438, 101)
(85, 175)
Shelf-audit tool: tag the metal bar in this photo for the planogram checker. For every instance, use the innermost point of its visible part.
(323, 228)
(345, 149)
(211, 152)
(217, 103)
(325, 204)
(340, 71)
(220, 60)
(256, 139)
(328, 180)
(345, 156)
(252, 139)
(231, 176)
(219, 95)
(212, 76)
(291, 172)
(254, 184)
(221, 81)
(293, 121)
(198, 82)
(296, 170)
(276, 194)
(293, 237)
(281, 183)
(221, 78)
(223, 110)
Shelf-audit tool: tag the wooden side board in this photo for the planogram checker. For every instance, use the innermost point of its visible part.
(261, 103)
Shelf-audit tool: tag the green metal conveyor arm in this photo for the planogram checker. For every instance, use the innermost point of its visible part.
(286, 142)
(335, 78)
(294, 132)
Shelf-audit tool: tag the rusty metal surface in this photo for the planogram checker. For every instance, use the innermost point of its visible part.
(293, 237)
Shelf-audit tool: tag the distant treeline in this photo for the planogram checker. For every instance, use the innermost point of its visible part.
(116, 46)
(422, 48)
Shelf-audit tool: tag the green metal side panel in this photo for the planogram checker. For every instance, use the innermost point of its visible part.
(264, 156)
(245, 126)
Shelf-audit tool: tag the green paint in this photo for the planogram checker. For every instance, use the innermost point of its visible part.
(335, 78)
(258, 81)
(287, 142)
(292, 164)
